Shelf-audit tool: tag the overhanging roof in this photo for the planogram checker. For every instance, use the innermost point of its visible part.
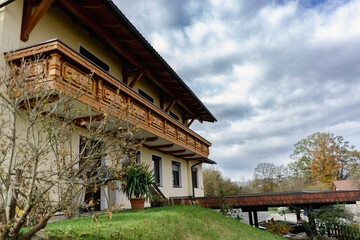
(104, 20)
(209, 161)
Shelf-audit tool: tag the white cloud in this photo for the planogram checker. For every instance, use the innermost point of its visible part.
(271, 73)
(341, 25)
(278, 15)
(160, 43)
(237, 89)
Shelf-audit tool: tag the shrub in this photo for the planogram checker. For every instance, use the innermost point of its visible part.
(277, 228)
(136, 179)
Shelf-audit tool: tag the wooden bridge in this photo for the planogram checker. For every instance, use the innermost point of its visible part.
(252, 203)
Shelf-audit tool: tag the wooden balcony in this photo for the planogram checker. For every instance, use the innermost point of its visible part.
(63, 64)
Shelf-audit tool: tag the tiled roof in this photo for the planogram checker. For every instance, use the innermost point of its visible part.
(302, 198)
(345, 185)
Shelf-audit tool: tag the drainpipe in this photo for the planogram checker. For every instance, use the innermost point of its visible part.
(192, 180)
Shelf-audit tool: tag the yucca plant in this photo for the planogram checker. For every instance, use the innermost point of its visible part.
(136, 180)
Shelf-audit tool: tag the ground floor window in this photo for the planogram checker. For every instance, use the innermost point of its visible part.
(176, 174)
(138, 157)
(194, 174)
(157, 169)
(91, 149)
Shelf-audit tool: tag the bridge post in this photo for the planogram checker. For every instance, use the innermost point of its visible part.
(250, 219)
(298, 217)
(256, 219)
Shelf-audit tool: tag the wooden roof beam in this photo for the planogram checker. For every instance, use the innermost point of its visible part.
(172, 103)
(135, 80)
(162, 86)
(186, 108)
(139, 52)
(30, 19)
(167, 80)
(148, 62)
(88, 4)
(162, 72)
(159, 146)
(126, 40)
(151, 139)
(74, 9)
(162, 146)
(175, 151)
(191, 121)
(185, 155)
(195, 159)
(91, 6)
(113, 26)
(132, 73)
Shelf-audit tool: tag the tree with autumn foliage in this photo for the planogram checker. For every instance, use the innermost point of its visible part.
(323, 157)
(41, 120)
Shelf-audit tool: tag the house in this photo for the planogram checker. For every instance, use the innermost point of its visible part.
(341, 185)
(347, 185)
(94, 36)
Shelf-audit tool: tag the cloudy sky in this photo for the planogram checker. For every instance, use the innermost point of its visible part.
(271, 72)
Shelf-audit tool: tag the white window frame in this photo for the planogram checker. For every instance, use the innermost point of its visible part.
(197, 177)
(180, 178)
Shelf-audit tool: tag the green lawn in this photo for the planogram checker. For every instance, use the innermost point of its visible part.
(273, 210)
(173, 222)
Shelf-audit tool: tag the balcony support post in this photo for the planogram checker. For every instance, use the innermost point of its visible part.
(29, 20)
(171, 104)
(135, 80)
(189, 124)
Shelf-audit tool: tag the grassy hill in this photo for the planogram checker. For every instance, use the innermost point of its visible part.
(173, 222)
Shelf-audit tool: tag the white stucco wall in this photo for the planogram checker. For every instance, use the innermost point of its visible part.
(56, 24)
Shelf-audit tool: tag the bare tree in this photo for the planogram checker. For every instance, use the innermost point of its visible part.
(264, 177)
(41, 171)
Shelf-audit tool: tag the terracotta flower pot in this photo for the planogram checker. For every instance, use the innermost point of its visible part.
(137, 203)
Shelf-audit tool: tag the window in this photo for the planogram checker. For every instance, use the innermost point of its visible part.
(176, 174)
(94, 149)
(174, 116)
(94, 59)
(138, 157)
(146, 96)
(157, 169)
(91, 153)
(194, 175)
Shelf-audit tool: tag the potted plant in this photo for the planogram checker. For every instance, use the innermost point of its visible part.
(136, 182)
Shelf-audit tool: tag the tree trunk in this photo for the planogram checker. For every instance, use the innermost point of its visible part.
(3, 230)
(13, 205)
(2, 217)
(37, 228)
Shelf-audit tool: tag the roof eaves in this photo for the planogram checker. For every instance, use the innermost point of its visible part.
(147, 45)
(209, 161)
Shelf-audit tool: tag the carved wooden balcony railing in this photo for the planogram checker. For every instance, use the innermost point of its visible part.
(64, 64)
